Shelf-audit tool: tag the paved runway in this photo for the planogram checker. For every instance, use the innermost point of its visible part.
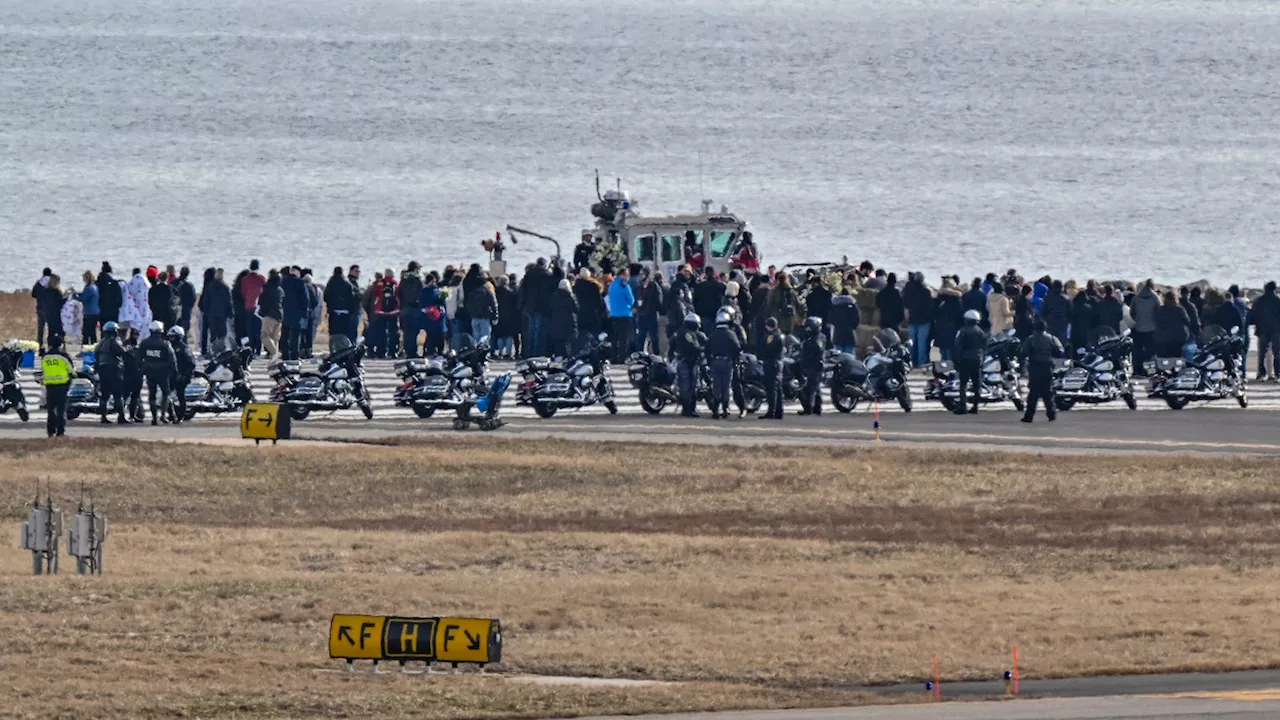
(1220, 427)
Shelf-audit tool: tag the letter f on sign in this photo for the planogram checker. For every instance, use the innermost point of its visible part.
(364, 632)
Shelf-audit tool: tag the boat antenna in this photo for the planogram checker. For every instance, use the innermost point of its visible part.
(599, 197)
(706, 204)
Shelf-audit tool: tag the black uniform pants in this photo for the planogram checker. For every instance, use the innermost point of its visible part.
(158, 392)
(1040, 387)
(969, 373)
(180, 383)
(55, 397)
(773, 390)
(721, 383)
(811, 393)
(110, 391)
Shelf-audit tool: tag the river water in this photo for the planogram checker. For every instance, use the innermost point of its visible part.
(1080, 138)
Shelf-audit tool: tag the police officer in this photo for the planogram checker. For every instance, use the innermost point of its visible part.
(56, 372)
(159, 365)
(132, 393)
(970, 346)
(723, 348)
(812, 351)
(771, 348)
(186, 363)
(688, 347)
(1038, 352)
(110, 366)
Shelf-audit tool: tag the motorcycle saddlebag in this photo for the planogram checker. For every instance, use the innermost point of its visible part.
(661, 373)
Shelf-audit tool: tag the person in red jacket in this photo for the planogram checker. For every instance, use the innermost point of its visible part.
(386, 314)
(747, 258)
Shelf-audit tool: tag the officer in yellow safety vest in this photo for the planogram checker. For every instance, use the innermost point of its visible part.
(56, 373)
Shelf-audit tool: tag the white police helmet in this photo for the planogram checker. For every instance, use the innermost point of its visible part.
(724, 317)
(972, 316)
(692, 319)
(157, 326)
(177, 332)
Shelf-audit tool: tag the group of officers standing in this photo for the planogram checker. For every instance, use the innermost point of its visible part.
(726, 343)
(162, 360)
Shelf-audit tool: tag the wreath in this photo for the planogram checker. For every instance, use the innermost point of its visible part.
(610, 253)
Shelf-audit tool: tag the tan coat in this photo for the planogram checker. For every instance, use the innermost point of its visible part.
(1000, 309)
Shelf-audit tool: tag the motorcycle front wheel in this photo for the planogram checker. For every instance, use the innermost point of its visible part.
(1175, 403)
(652, 405)
(844, 403)
(904, 398)
(949, 404)
(612, 407)
(1242, 398)
(752, 404)
(423, 411)
(1064, 404)
(299, 412)
(23, 415)
(367, 409)
(1131, 401)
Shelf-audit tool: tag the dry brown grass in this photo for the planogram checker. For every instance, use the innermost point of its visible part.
(760, 576)
(17, 315)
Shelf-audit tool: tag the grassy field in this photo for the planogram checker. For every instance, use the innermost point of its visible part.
(753, 578)
(17, 316)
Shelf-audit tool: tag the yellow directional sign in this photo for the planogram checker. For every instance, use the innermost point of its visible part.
(468, 640)
(265, 421)
(409, 639)
(356, 637)
(451, 640)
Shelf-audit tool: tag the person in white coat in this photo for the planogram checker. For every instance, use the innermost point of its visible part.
(137, 311)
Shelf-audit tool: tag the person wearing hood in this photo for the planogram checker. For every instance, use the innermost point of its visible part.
(1038, 293)
(1265, 318)
(536, 290)
(270, 312)
(844, 319)
(1109, 310)
(622, 301)
(948, 316)
(919, 304)
(508, 325)
(999, 309)
(1056, 312)
(818, 302)
(1145, 304)
(564, 319)
(889, 302)
(708, 296)
(410, 310)
(136, 313)
(338, 302)
(1024, 313)
(1084, 316)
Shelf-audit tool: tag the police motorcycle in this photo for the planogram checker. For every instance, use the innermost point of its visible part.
(336, 385)
(882, 377)
(11, 395)
(654, 377)
(1215, 373)
(1098, 374)
(580, 381)
(82, 393)
(998, 380)
(444, 382)
(223, 385)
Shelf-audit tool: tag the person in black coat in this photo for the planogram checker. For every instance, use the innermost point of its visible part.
(818, 302)
(1110, 309)
(1173, 327)
(708, 296)
(1024, 314)
(948, 315)
(339, 301)
(591, 309)
(1227, 315)
(1057, 313)
(889, 301)
(844, 319)
(185, 294)
(160, 300)
(976, 299)
(110, 297)
(1193, 312)
(215, 304)
(564, 320)
(1084, 316)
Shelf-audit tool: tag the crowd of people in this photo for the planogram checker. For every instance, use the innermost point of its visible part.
(556, 308)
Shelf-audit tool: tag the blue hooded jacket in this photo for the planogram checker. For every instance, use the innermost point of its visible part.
(621, 299)
(430, 298)
(1038, 294)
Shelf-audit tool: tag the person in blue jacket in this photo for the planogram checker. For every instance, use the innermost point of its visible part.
(622, 301)
(435, 322)
(92, 310)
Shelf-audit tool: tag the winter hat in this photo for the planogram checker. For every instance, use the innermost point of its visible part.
(731, 290)
(153, 272)
(564, 284)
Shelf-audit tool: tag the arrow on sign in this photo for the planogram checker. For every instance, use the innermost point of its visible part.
(473, 642)
(265, 421)
(344, 633)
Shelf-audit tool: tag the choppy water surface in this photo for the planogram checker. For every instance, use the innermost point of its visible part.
(1080, 138)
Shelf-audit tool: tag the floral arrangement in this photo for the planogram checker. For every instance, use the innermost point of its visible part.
(23, 345)
(610, 253)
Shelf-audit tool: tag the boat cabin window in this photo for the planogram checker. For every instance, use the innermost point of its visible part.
(692, 243)
(646, 248)
(673, 248)
(722, 242)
